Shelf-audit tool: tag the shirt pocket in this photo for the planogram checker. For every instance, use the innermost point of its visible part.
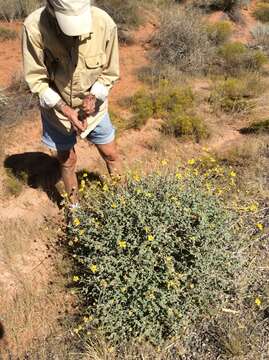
(93, 69)
(96, 61)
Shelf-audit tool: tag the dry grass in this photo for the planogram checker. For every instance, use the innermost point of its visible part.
(31, 290)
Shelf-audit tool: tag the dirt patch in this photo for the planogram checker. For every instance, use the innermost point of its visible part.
(10, 55)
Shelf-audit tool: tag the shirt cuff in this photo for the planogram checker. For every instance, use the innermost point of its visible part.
(49, 98)
(99, 90)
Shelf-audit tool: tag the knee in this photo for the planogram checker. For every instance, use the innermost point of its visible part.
(67, 159)
(111, 156)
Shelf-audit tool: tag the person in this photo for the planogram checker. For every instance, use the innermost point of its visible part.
(71, 61)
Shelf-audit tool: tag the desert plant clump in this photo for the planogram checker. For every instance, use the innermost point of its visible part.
(174, 105)
(260, 34)
(224, 5)
(155, 256)
(182, 41)
(262, 12)
(125, 13)
(236, 56)
(219, 32)
(7, 34)
(13, 9)
(235, 95)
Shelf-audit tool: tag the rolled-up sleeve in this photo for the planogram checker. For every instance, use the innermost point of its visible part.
(34, 68)
(111, 71)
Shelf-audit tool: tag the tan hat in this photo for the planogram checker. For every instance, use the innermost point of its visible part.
(73, 16)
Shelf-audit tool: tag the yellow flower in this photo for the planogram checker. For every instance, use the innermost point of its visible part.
(113, 206)
(260, 226)
(76, 222)
(65, 195)
(87, 319)
(164, 162)
(81, 232)
(258, 301)
(105, 188)
(253, 207)
(150, 237)
(147, 229)
(136, 177)
(82, 183)
(178, 176)
(85, 175)
(122, 244)
(123, 289)
(93, 268)
(75, 278)
(233, 174)
(78, 329)
(192, 162)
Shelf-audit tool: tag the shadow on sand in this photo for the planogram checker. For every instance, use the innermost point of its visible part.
(38, 170)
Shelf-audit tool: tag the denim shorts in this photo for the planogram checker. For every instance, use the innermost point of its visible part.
(104, 133)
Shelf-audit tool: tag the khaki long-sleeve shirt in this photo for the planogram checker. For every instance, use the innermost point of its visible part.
(71, 67)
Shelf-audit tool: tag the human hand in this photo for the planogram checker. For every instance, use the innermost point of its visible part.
(89, 104)
(72, 115)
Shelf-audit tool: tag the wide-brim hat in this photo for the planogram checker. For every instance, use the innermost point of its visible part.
(73, 16)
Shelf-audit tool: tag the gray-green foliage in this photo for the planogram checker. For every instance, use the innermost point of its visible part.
(182, 41)
(154, 256)
(12, 9)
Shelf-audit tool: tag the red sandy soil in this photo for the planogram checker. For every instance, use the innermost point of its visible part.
(10, 56)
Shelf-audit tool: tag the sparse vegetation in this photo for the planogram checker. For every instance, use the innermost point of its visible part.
(125, 13)
(183, 41)
(260, 34)
(262, 12)
(236, 57)
(174, 105)
(235, 95)
(7, 34)
(219, 32)
(13, 9)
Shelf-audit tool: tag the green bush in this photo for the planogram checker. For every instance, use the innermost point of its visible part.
(174, 105)
(179, 124)
(219, 32)
(154, 256)
(262, 12)
(235, 95)
(236, 57)
(7, 34)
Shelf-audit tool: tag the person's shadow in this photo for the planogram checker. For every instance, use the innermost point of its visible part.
(38, 170)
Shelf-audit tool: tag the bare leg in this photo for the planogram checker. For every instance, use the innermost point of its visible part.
(68, 160)
(110, 154)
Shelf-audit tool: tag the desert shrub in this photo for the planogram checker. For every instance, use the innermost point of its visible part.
(4, 100)
(154, 256)
(142, 106)
(12, 9)
(173, 104)
(219, 32)
(182, 41)
(235, 95)
(256, 127)
(260, 34)
(179, 124)
(236, 57)
(7, 34)
(262, 12)
(124, 13)
(224, 5)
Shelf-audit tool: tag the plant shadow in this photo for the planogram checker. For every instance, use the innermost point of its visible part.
(37, 170)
